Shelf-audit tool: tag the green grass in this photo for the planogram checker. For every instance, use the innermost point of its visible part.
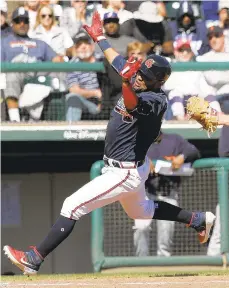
(60, 277)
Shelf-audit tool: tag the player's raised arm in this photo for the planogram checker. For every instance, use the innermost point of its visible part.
(129, 70)
(95, 31)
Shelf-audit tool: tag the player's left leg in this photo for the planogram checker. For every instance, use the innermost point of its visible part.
(114, 184)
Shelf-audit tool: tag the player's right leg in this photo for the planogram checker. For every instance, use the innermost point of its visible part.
(105, 189)
(202, 222)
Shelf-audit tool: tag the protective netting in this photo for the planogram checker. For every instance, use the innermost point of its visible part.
(198, 192)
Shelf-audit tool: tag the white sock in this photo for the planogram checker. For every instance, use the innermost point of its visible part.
(14, 114)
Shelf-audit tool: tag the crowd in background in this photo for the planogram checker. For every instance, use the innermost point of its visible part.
(182, 31)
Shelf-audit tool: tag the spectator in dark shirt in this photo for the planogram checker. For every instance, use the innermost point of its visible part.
(186, 27)
(155, 29)
(176, 149)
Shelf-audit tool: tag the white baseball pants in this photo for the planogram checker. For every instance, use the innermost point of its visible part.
(115, 184)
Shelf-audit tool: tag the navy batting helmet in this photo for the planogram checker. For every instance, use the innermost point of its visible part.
(156, 68)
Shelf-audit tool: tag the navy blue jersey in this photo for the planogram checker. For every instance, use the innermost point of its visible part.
(130, 133)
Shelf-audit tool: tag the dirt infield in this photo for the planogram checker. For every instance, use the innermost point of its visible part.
(125, 281)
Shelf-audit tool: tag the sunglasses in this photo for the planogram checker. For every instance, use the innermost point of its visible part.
(19, 20)
(43, 16)
(216, 35)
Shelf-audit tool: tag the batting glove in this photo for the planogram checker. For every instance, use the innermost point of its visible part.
(96, 29)
(130, 69)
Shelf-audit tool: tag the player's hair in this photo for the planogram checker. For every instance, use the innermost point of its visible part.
(38, 22)
(143, 47)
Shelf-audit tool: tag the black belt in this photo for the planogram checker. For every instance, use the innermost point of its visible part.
(123, 164)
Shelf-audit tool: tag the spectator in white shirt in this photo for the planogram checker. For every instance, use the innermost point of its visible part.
(218, 80)
(48, 31)
(181, 86)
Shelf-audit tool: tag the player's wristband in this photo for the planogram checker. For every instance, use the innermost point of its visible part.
(104, 44)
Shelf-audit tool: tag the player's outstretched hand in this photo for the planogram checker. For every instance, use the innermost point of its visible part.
(130, 69)
(96, 29)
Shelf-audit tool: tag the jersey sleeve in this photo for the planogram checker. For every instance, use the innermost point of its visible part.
(150, 104)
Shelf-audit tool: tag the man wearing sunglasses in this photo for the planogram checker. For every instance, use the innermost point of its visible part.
(19, 47)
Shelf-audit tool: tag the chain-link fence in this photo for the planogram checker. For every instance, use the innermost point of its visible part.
(113, 233)
(197, 193)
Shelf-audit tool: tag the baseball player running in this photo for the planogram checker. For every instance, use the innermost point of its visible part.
(134, 124)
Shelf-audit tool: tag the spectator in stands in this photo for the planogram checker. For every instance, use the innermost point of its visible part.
(112, 31)
(57, 9)
(5, 28)
(19, 47)
(47, 30)
(210, 9)
(138, 50)
(133, 6)
(174, 148)
(154, 28)
(218, 80)
(186, 27)
(181, 86)
(75, 17)
(126, 20)
(172, 7)
(214, 247)
(32, 7)
(85, 93)
(224, 21)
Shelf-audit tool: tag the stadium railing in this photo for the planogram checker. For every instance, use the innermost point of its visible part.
(112, 234)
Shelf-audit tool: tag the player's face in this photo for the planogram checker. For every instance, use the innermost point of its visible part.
(216, 42)
(143, 83)
(21, 26)
(138, 54)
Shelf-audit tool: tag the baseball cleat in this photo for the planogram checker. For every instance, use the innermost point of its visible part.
(23, 260)
(202, 222)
